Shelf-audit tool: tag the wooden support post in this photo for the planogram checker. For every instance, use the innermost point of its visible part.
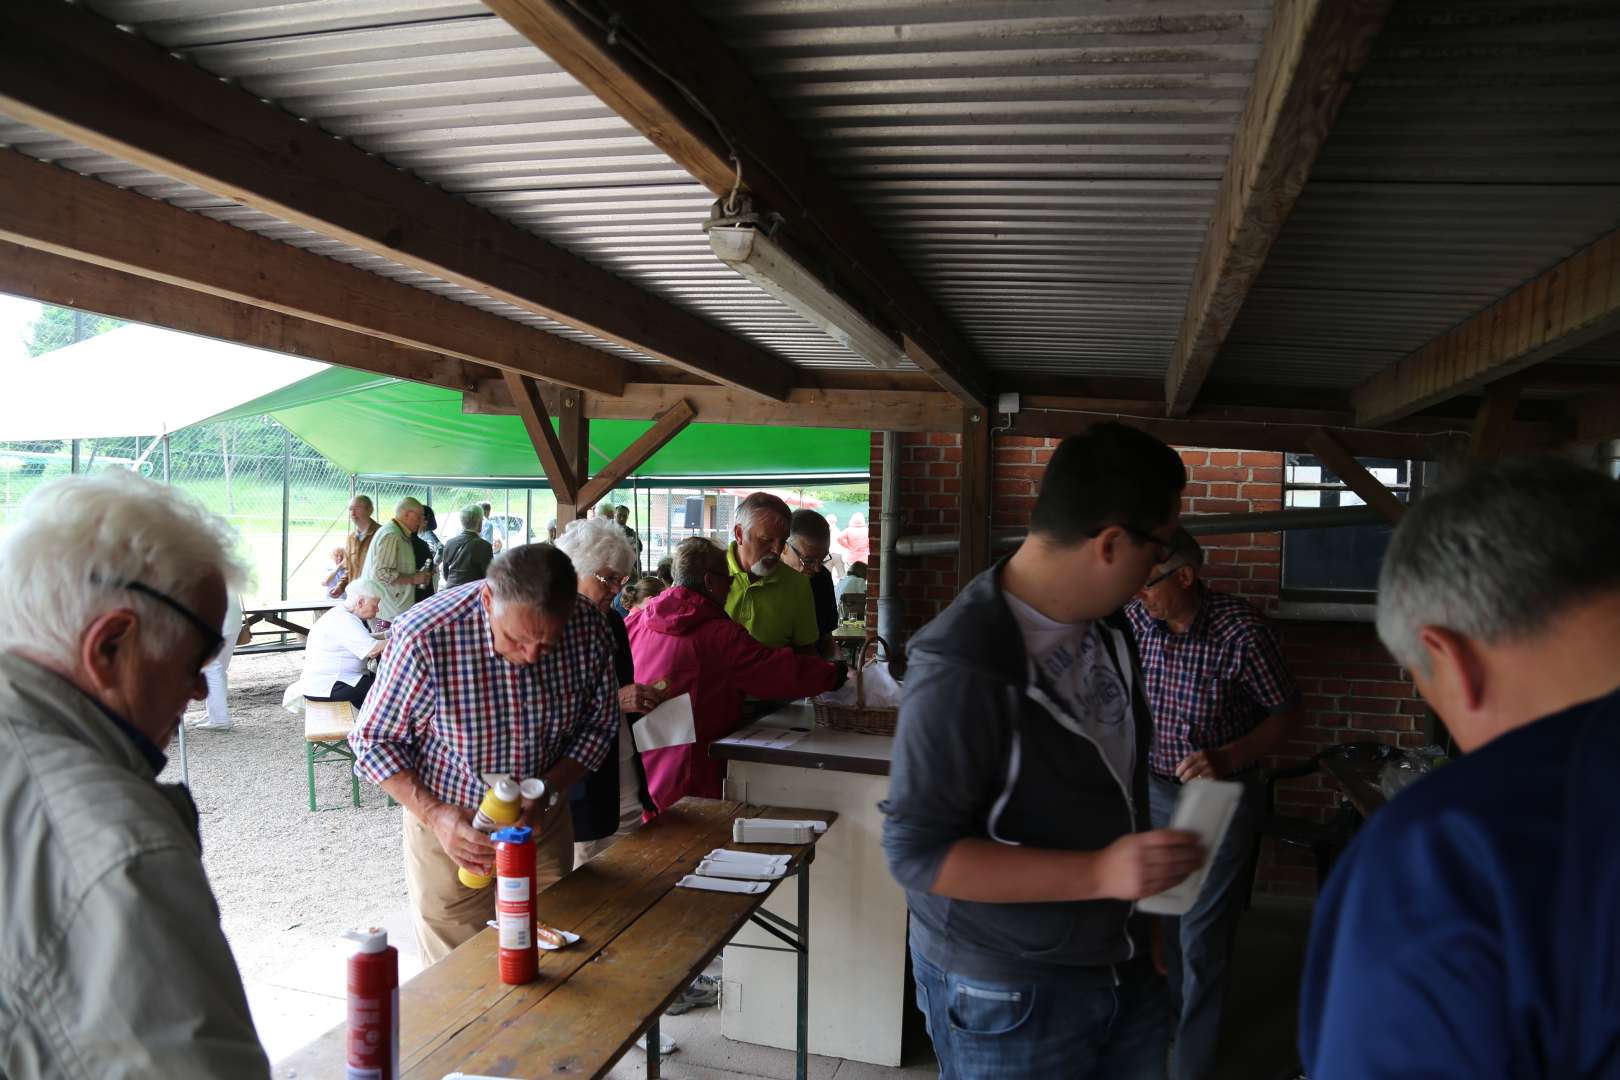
(1494, 421)
(973, 556)
(655, 438)
(1333, 455)
(537, 422)
(574, 432)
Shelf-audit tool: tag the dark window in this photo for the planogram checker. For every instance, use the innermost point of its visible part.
(1336, 563)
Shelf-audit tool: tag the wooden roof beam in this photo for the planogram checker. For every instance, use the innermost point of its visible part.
(531, 408)
(134, 101)
(50, 209)
(1310, 54)
(778, 168)
(1570, 304)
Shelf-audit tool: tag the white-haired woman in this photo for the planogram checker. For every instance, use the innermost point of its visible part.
(339, 646)
(611, 800)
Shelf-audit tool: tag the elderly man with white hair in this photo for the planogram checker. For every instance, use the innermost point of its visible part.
(611, 801)
(771, 600)
(467, 554)
(391, 562)
(510, 676)
(112, 960)
(339, 645)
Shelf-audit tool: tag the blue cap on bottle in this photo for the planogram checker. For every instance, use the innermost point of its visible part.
(513, 834)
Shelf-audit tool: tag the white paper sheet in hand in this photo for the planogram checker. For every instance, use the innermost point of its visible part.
(671, 724)
(1204, 807)
(709, 884)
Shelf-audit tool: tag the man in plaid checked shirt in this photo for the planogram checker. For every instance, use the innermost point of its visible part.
(510, 675)
(1222, 699)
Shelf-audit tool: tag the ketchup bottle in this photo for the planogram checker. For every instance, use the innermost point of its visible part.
(514, 904)
(373, 1007)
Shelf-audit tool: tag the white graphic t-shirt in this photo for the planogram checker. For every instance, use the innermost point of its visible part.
(1071, 663)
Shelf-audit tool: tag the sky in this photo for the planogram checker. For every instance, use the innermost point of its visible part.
(15, 315)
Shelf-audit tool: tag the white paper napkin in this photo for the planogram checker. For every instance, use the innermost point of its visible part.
(817, 826)
(670, 724)
(729, 868)
(750, 858)
(709, 884)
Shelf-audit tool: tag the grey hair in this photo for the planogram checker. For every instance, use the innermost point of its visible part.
(758, 503)
(80, 540)
(364, 499)
(365, 589)
(472, 517)
(695, 557)
(533, 575)
(1498, 554)
(597, 545)
(407, 503)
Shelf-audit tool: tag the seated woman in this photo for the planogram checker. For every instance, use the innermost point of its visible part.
(339, 646)
(684, 637)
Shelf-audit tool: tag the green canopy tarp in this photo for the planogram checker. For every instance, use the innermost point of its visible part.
(375, 426)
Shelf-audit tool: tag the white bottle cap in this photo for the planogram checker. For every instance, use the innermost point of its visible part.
(506, 790)
(373, 939)
(533, 787)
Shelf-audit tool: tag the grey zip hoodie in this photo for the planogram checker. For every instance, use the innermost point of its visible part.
(983, 752)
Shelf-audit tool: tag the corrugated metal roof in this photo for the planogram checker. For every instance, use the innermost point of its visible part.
(1480, 146)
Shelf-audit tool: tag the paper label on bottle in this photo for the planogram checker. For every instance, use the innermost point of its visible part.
(516, 930)
(511, 889)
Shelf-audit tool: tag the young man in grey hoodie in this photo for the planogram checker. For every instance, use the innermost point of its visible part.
(1017, 817)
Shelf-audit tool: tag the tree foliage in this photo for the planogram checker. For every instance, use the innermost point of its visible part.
(56, 327)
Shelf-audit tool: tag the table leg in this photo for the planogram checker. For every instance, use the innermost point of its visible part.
(654, 1041)
(309, 761)
(801, 1064)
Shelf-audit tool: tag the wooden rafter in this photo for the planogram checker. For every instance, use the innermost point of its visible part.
(134, 101)
(973, 525)
(777, 166)
(50, 209)
(1494, 422)
(1332, 453)
(1310, 53)
(668, 425)
(1570, 304)
(531, 407)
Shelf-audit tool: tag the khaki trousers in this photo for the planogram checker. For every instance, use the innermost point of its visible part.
(629, 822)
(445, 911)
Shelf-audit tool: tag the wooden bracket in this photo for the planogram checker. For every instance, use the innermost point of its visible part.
(1494, 421)
(669, 424)
(1333, 454)
(531, 408)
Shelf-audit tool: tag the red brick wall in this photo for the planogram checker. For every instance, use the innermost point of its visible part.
(1351, 689)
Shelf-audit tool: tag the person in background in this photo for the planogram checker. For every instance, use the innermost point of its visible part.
(336, 574)
(636, 593)
(339, 646)
(609, 803)
(683, 637)
(510, 675)
(1222, 700)
(854, 583)
(487, 530)
(467, 555)
(773, 602)
(391, 562)
(1017, 817)
(112, 591)
(857, 539)
(215, 672)
(838, 559)
(621, 514)
(551, 531)
(1473, 926)
(666, 571)
(806, 552)
(426, 547)
(357, 545)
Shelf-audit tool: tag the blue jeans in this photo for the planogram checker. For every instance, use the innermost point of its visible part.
(992, 1030)
(1198, 945)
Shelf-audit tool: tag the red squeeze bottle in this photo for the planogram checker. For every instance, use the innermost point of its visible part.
(373, 1007)
(514, 904)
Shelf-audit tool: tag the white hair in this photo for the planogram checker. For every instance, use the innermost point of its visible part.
(407, 503)
(472, 517)
(82, 539)
(366, 589)
(597, 544)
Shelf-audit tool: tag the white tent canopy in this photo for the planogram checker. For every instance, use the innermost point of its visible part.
(137, 380)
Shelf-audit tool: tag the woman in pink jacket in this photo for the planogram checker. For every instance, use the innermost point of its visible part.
(684, 637)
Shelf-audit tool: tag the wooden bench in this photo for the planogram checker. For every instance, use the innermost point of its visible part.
(326, 739)
(642, 941)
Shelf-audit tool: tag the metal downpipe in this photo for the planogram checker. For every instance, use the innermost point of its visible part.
(890, 609)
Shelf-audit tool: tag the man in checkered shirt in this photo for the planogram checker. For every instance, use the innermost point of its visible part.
(1222, 700)
(510, 675)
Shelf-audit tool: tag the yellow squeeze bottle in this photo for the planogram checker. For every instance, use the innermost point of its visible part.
(500, 808)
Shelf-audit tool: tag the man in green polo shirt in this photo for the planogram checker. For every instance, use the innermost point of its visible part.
(771, 600)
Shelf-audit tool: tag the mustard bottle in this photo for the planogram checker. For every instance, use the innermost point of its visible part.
(500, 808)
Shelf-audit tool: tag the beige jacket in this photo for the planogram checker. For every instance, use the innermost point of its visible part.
(112, 960)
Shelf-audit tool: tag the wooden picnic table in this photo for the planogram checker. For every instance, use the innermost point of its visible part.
(642, 941)
(1358, 780)
(280, 616)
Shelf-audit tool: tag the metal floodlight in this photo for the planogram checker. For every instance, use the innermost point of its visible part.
(762, 261)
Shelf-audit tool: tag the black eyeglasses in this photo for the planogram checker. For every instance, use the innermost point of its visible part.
(1162, 549)
(1154, 581)
(213, 640)
(809, 563)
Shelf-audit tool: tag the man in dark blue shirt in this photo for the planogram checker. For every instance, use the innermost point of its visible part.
(1473, 929)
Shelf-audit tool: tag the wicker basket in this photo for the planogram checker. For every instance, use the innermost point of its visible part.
(859, 717)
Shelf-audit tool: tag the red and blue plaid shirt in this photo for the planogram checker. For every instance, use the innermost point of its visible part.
(447, 705)
(1212, 685)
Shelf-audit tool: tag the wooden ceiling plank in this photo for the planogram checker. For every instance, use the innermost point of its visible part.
(1310, 54)
(1535, 322)
(134, 101)
(531, 407)
(668, 425)
(50, 209)
(778, 167)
